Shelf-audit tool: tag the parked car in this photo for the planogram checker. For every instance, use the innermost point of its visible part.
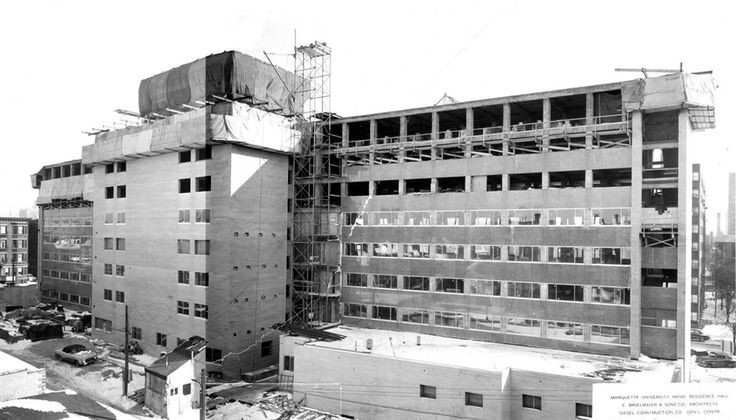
(697, 335)
(716, 359)
(78, 354)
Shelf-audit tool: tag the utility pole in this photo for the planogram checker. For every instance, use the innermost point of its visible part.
(203, 395)
(125, 352)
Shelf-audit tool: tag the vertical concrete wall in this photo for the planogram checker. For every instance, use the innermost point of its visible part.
(559, 395)
(635, 280)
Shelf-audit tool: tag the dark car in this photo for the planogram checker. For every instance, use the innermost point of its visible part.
(715, 359)
(78, 354)
(697, 335)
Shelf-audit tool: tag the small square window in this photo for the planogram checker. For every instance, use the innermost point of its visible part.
(122, 166)
(109, 218)
(473, 399)
(202, 247)
(186, 389)
(121, 218)
(583, 411)
(204, 183)
(136, 333)
(119, 296)
(109, 192)
(427, 391)
(184, 216)
(182, 307)
(108, 269)
(108, 243)
(183, 277)
(120, 270)
(122, 191)
(109, 168)
(201, 279)
(185, 185)
(202, 216)
(107, 294)
(531, 401)
(183, 246)
(161, 339)
(185, 156)
(205, 153)
(200, 311)
(266, 348)
(120, 244)
(289, 363)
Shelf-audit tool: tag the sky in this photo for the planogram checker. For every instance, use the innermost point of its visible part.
(68, 65)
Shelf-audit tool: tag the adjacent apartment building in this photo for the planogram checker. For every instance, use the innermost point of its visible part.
(17, 256)
(65, 234)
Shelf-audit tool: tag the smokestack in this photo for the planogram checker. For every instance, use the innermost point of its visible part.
(718, 224)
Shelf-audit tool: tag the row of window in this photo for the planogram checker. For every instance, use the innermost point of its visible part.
(72, 258)
(560, 330)
(119, 270)
(67, 275)
(67, 241)
(201, 246)
(121, 167)
(110, 218)
(200, 310)
(201, 154)
(114, 243)
(110, 192)
(52, 222)
(15, 244)
(554, 254)
(66, 297)
(18, 257)
(200, 216)
(201, 183)
(498, 217)
(200, 279)
(16, 229)
(119, 295)
(8, 271)
(500, 288)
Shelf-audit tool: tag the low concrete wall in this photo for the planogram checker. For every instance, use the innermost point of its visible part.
(19, 379)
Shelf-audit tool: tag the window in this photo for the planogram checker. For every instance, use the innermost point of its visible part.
(448, 319)
(108, 243)
(84, 300)
(356, 279)
(266, 348)
(185, 185)
(122, 191)
(484, 287)
(385, 281)
(524, 253)
(531, 401)
(202, 247)
(109, 192)
(184, 216)
(612, 295)
(356, 310)
(213, 355)
(565, 292)
(386, 218)
(523, 326)
(183, 246)
(182, 307)
(612, 256)
(385, 250)
(560, 254)
(136, 333)
(523, 290)
(427, 391)
(416, 283)
(186, 389)
(183, 277)
(63, 296)
(185, 156)
(609, 335)
(473, 399)
(611, 217)
(416, 316)
(120, 270)
(107, 294)
(421, 185)
(108, 269)
(566, 217)
(354, 219)
(384, 312)
(417, 218)
(449, 252)
(485, 252)
(122, 166)
(356, 250)
(119, 296)
(525, 217)
(103, 324)
(526, 181)
(449, 285)
(289, 363)
(485, 322)
(450, 218)
(486, 217)
(583, 411)
(109, 168)
(121, 218)
(204, 183)
(565, 331)
(201, 279)
(120, 244)
(161, 339)
(109, 218)
(205, 153)
(202, 216)
(416, 251)
(200, 311)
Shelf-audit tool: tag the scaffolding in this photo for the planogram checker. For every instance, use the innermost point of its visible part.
(316, 173)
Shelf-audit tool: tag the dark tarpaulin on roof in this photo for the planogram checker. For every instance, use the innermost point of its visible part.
(228, 74)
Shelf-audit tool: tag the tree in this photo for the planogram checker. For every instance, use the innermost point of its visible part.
(724, 281)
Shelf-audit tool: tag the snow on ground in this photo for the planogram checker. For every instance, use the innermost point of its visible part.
(718, 332)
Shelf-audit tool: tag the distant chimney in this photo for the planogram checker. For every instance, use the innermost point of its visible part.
(718, 224)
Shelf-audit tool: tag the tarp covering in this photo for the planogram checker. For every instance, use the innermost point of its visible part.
(676, 90)
(81, 186)
(228, 74)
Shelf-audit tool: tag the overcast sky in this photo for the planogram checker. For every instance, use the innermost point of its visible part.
(68, 65)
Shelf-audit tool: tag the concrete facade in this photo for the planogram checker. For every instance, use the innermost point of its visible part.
(26, 379)
(15, 250)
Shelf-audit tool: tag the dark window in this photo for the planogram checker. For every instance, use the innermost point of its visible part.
(107, 294)
(121, 191)
(531, 401)
(421, 185)
(451, 184)
(182, 307)
(449, 285)
(427, 391)
(183, 246)
(473, 399)
(583, 411)
(266, 348)
(201, 279)
(289, 363)
(494, 182)
(384, 312)
(565, 292)
(109, 192)
(204, 183)
(525, 181)
(136, 333)
(612, 177)
(120, 296)
(213, 355)
(186, 389)
(161, 339)
(358, 188)
(568, 179)
(202, 247)
(387, 187)
(185, 156)
(416, 283)
(183, 277)
(109, 168)
(205, 153)
(185, 185)
(200, 311)
(120, 244)
(122, 166)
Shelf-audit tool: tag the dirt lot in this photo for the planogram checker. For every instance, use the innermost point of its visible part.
(101, 380)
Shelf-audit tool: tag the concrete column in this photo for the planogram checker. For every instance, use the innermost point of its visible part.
(543, 254)
(588, 178)
(587, 292)
(588, 255)
(402, 128)
(345, 134)
(504, 286)
(506, 128)
(371, 188)
(435, 133)
(546, 117)
(635, 283)
(469, 121)
(468, 183)
(373, 131)
(433, 185)
(402, 187)
(504, 181)
(545, 180)
(589, 118)
(684, 244)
